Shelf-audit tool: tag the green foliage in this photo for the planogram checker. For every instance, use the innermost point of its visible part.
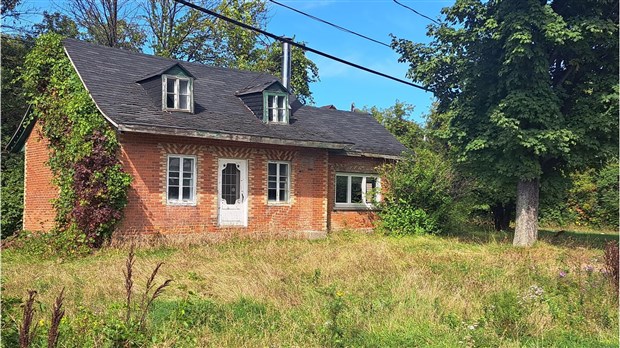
(14, 49)
(334, 329)
(187, 34)
(588, 198)
(397, 120)
(529, 87)
(419, 194)
(12, 193)
(303, 70)
(93, 186)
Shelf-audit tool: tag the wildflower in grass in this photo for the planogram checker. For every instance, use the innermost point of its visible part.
(562, 274)
(588, 268)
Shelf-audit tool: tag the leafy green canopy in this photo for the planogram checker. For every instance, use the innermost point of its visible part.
(529, 87)
(83, 146)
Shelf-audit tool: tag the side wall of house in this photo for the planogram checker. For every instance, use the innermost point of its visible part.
(144, 157)
(39, 191)
(339, 219)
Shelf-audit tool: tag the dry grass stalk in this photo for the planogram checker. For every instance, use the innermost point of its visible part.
(611, 262)
(146, 300)
(128, 273)
(57, 314)
(26, 334)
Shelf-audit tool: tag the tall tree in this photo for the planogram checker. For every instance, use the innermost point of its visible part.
(110, 23)
(55, 22)
(303, 70)
(531, 88)
(183, 33)
(178, 32)
(14, 50)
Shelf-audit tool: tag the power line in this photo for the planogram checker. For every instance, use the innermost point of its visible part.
(303, 47)
(416, 12)
(331, 24)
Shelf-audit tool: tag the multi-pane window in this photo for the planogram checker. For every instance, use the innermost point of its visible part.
(356, 189)
(278, 179)
(276, 108)
(177, 93)
(181, 179)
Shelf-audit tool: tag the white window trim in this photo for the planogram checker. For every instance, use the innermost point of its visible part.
(191, 202)
(364, 204)
(288, 183)
(164, 93)
(276, 95)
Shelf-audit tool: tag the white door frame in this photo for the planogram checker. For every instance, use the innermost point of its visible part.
(238, 211)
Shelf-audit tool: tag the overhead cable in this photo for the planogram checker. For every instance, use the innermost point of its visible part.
(416, 12)
(303, 47)
(331, 24)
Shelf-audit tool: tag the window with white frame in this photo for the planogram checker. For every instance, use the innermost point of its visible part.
(181, 183)
(276, 107)
(177, 93)
(357, 190)
(278, 181)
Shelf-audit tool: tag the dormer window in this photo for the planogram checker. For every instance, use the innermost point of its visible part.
(177, 93)
(276, 108)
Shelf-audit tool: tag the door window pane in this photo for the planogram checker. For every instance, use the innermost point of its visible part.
(231, 183)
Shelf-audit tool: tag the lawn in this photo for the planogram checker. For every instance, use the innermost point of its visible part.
(365, 290)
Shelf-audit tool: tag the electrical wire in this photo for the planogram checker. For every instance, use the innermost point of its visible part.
(331, 24)
(416, 12)
(303, 47)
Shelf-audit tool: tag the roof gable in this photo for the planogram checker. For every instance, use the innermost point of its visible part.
(174, 69)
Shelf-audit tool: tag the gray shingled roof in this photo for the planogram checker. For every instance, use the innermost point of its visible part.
(110, 76)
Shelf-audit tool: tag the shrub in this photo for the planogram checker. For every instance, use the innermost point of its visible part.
(12, 202)
(421, 193)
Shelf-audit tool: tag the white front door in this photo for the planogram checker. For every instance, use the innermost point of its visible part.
(233, 192)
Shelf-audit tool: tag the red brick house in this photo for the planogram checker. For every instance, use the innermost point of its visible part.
(219, 150)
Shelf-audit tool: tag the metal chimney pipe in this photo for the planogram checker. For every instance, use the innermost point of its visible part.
(286, 63)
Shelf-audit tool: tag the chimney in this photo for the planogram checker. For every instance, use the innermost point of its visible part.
(286, 63)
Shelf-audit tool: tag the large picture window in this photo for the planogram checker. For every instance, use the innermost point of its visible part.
(278, 180)
(357, 190)
(181, 183)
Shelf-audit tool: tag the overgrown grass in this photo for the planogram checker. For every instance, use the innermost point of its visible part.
(462, 289)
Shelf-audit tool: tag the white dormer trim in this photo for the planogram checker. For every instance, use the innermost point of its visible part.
(272, 107)
(179, 95)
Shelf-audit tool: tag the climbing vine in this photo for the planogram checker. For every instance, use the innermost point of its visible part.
(83, 146)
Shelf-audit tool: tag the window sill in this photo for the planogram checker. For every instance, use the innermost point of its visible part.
(180, 204)
(278, 204)
(355, 207)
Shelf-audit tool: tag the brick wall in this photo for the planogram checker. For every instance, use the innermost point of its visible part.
(144, 157)
(354, 219)
(39, 191)
(312, 189)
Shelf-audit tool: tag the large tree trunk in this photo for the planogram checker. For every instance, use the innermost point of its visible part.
(526, 229)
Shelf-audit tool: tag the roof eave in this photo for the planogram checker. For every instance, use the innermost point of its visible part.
(21, 134)
(245, 138)
(114, 124)
(373, 155)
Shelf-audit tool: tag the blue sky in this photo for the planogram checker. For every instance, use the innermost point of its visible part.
(339, 84)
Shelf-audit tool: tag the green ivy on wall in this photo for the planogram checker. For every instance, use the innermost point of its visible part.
(83, 146)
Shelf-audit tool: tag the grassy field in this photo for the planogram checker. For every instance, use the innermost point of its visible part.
(459, 290)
